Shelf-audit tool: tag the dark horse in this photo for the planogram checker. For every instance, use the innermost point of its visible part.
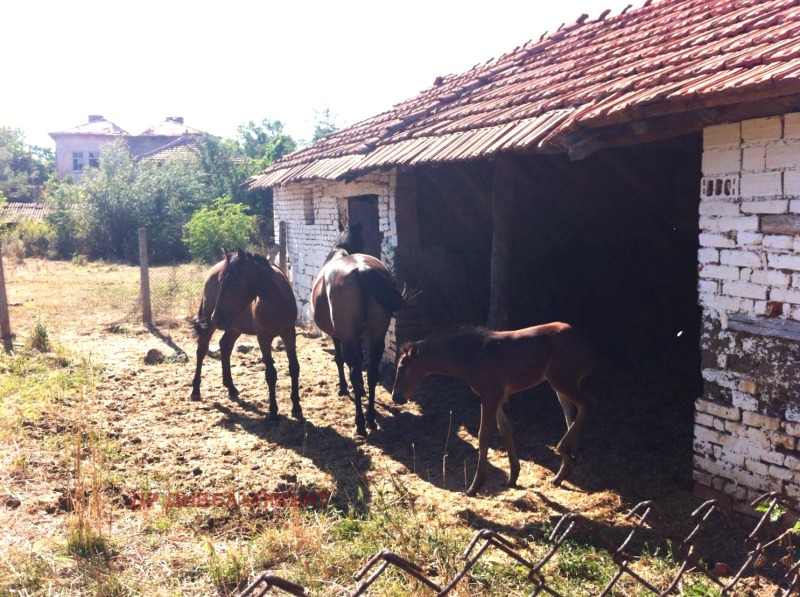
(497, 364)
(353, 299)
(246, 294)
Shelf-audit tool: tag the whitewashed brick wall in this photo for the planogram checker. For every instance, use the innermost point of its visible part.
(747, 424)
(308, 244)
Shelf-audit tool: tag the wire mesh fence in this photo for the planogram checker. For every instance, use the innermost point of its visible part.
(175, 290)
(769, 548)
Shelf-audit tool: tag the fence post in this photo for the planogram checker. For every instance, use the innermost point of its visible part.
(5, 320)
(282, 246)
(147, 315)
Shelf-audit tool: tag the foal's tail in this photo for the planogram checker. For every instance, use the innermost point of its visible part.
(377, 285)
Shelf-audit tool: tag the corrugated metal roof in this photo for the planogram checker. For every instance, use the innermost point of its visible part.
(667, 56)
(15, 211)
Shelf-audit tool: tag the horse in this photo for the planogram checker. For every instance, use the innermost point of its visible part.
(499, 363)
(246, 294)
(353, 298)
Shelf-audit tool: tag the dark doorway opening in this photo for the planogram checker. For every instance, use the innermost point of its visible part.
(363, 209)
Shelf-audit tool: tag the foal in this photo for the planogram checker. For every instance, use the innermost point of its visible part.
(497, 364)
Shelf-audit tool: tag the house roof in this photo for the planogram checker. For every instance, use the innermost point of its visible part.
(182, 149)
(95, 126)
(667, 67)
(15, 211)
(170, 127)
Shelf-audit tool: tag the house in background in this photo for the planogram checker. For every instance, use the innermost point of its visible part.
(80, 147)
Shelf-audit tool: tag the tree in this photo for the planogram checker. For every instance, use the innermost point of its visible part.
(324, 124)
(222, 224)
(265, 143)
(23, 168)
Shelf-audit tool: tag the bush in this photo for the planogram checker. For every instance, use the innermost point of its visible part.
(223, 224)
(28, 239)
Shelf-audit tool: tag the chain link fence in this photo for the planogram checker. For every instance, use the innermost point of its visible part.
(175, 290)
(765, 550)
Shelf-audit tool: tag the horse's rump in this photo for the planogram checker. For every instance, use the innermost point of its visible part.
(377, 284)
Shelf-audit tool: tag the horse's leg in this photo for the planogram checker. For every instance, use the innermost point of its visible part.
(505, 432)
(203, 339)
(337, 356)
(567, 447)
(353, 356)
(566, 406)
(373, 373)
(225, 349)
(270, 374)
(290, 342)
(488, 420)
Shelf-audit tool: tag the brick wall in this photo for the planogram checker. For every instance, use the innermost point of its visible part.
(747, 423)
(312, 212)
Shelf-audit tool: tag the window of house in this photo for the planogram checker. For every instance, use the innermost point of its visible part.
(77, 161)
(94, 159)
(308, 206)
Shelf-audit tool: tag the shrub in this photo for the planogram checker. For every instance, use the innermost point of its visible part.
(224, 223)
(28, 239)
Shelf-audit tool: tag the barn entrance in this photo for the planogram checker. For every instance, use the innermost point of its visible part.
(363, 209)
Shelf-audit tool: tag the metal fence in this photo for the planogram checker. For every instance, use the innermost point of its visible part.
(763, 549)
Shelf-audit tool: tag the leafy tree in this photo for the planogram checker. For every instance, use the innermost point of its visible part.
(264, 143)
(22, 168)
(222, 224)
(324, 124)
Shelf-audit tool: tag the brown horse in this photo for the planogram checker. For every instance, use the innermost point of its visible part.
(246, 294)
(353, 299)
(497, 364)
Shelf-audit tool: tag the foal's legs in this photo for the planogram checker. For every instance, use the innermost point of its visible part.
(489, 407)
(568, 446)
(225, 349)
(566, 406)
(339, 359)
(505, 432)
(353, 356)
(290, 342)
(270, 373)
(203, 339)
(373, 372)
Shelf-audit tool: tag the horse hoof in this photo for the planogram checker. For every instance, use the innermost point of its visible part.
(471, 492)
(361, 432)
(273, 418)
(398, 399)
(343, 392)
(298, 414)
(195, 398)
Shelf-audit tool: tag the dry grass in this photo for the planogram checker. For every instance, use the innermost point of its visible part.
(86, 430)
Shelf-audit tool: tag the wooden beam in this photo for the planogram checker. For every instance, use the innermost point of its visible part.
(762, 326)
(504, 196)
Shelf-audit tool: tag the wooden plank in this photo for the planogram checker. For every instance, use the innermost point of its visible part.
(5, 320)
(762, 326)
(785, 224)
(144, 277)
(503, 211)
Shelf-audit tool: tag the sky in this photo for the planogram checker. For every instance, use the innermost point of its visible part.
(226, 63)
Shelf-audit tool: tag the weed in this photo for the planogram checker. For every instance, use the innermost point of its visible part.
(39, 339)
(227, 571)
(80, 260)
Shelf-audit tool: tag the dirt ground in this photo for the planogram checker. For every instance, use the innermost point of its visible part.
(638, 447)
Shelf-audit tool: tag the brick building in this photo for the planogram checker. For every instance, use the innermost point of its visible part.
(637, 175)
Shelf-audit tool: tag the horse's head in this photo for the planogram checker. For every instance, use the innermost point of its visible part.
(235, 289)
(350, 238)
(409, 373)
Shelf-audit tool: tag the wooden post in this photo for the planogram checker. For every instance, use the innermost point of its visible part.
(147, 315)
(5, 320)
(503, 208)
(282, 247)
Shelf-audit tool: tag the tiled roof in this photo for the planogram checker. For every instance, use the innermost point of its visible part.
(665, 57)
(14, 211)
(99, 126)
(171, 127)
(182, 149)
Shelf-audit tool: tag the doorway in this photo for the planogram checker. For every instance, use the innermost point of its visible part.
(363, 209)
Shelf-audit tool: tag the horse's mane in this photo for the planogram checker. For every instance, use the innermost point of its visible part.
(259, 259)
(465, 335)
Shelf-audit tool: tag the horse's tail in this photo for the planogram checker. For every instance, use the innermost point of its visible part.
(199, 322)
(376, 284)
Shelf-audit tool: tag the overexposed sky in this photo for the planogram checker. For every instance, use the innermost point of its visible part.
(224, 63)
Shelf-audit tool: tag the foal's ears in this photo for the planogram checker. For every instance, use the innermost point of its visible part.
(241, 254)
(225, 254)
